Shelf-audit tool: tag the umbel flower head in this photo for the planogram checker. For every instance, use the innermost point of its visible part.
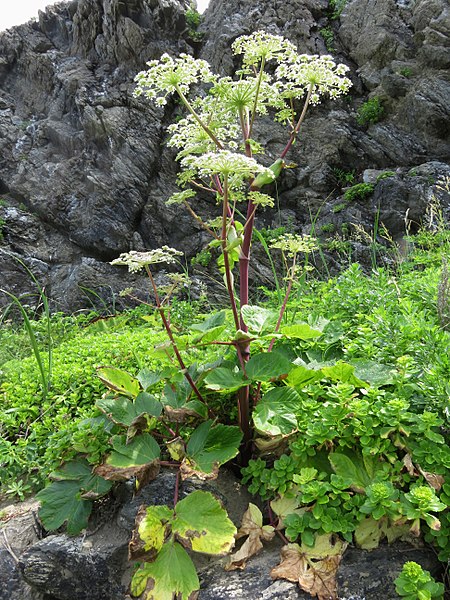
(135, 261)
(261, 45)
(291, 244)
(168, 75)
(320, 73)
(226, 163)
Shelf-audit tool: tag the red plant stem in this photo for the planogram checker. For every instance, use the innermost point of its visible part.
(177, 489)
(171, 338)
(226, 261)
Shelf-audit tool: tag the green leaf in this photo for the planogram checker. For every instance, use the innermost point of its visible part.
(148, 378)
(171, 575)
(258, 319)
(351, 467)
(61, 502)
(212, 322)
(373, 372)
(275, 414)
(148, 404)
(223, 378)
(123, 411)
(300, 331)
(141, 450)
(210, 447)
(266, 366)
(119, 381)
(344, 372)
(301, 376)
(81, 472)
(202, 525)
(211, 335)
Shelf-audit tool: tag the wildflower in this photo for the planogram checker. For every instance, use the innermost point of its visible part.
(320, 73)
(169, 75)
(226, 163)
(135, 261)
(291, 244)
(262, 46)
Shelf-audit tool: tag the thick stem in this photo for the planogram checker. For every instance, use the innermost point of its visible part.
(226, 261)
(299, 122)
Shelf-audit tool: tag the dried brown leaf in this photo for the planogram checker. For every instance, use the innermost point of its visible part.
(143, 473)
(187, 470)
(314, 569)
(252, 527)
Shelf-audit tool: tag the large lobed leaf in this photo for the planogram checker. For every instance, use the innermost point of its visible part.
(201, 524)
(171, 575)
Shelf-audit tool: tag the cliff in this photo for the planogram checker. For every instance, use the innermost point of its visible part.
(84, 172)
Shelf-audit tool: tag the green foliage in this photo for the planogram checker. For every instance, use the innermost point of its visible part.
(370, 112)
(343, 177)
(405, 72)
(202, 258)
(328, 38)
(385, 175)
(358, 192)
(2, 223)
(328, 228)
(336, 6)
(193, 20)
(414, 583)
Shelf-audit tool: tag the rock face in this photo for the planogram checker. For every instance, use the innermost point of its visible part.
(94, 566)
(84, 173)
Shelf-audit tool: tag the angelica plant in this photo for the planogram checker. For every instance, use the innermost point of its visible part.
(217, 147)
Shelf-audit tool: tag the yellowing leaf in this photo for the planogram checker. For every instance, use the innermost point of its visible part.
(252, 527)
(171, 575)
(202, 525)
(314, 569)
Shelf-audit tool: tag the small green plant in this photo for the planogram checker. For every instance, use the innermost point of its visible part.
(359, 192)
(202, 258)
(337, 208)
(328, 228)
(2, 223)
(343, 177)
(336, 7)
(405, 72)
(328, 38)
(193, 20)
(385, 175)
(414, 583)
(370, 112)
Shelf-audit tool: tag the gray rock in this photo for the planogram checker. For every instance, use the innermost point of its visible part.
(85, 164)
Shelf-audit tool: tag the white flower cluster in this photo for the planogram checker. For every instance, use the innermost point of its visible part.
(135, 261)
(262, 45)
(168, 75)
(319, 72)
(291, 244)
(191, 138)
(230, 164)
